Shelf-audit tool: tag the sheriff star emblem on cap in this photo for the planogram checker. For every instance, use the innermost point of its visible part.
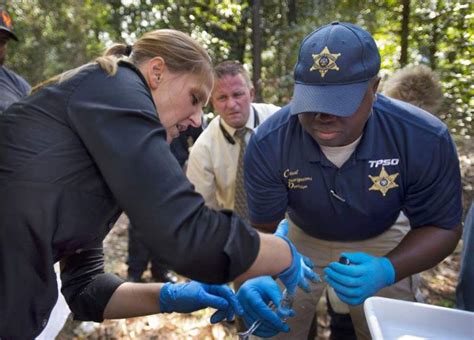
(383, 182)
(325, 61)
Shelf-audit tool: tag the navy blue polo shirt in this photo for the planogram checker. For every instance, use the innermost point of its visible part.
(12, 88)
(406, 161)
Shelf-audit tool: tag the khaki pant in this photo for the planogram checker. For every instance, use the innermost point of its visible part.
(322, 253)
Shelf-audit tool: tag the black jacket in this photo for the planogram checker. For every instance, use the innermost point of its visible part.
(75, 155)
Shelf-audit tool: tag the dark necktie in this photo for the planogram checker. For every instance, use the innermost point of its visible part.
(240, 205)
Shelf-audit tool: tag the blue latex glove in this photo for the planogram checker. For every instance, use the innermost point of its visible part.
(300, 268)
(364, 277)
(255, 295)
(192, 296)
(307, 265)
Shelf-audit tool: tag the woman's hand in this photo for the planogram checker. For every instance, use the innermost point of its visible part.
(192, 296)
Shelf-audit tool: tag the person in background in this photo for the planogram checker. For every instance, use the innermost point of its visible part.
(92, 143)
(215, 164)
(181, 145)
(139, 255)
(12, 86)
(418, 85)
(342, 161)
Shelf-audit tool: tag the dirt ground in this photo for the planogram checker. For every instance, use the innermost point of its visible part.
(438, 287)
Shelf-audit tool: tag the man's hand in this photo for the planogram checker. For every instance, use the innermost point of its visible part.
(364, 277)
(192, 296)
(300, 268)
(255, 295)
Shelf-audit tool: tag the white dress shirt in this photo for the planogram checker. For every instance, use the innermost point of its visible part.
(212, 163)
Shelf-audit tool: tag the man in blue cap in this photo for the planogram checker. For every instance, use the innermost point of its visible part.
(342, 162)
(12, 86)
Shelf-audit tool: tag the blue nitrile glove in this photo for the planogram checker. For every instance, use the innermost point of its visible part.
(192, 296)
(255, 295)
(300, 268)
(308, 273)
(364, 277)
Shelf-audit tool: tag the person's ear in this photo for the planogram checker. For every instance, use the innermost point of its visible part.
(252, 93)
(156, 67)
(211, 104)
(375, 85)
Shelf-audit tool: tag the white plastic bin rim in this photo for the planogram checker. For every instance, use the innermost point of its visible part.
(396, 319)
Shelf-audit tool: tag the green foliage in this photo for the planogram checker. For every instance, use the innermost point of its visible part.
(55, 35)
(442, 38)
(60, 34)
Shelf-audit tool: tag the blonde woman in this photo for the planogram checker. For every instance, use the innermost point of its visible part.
(91, 143)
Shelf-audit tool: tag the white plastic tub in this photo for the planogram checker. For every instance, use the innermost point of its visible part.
(396, 319)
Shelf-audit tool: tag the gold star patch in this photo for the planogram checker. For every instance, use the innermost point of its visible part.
(325, 61)
(383, 182)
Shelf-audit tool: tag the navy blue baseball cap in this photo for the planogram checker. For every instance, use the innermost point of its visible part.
(335, 64)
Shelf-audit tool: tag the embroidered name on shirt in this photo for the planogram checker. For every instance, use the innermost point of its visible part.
(383, 182)
(294, 181)
(384, 162)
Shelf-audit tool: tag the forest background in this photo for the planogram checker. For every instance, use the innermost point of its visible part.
(56, 35)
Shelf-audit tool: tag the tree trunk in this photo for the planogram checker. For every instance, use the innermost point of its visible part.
(404, 33)
(291, 12)
(257, 49)
(433, 47)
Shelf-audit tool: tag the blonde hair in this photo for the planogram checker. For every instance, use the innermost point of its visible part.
(416, 84)
(181, 54)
